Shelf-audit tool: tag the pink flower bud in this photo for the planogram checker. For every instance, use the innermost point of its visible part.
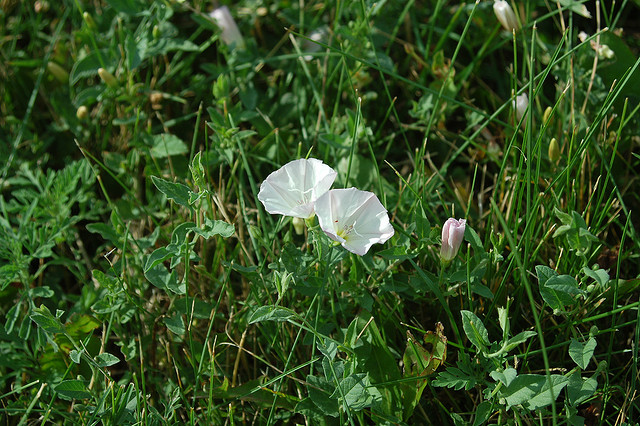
(452, 236)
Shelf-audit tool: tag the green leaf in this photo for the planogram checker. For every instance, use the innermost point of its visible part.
(166, 144)
(599, 275)
(128, 7)
(576, 7)
(518, 339)
(44, 292)
(423, 226)
(424, 360)
(328, 349)
(158, 256)
(481, 290)
(215, 227)
(88, 66)
(397, 253)
(271, 313)
(419, 361)
(506, 376)
(373, 356)
(471, 236)
(160, 277)
(197, 171)
(174, 191)
(320, 393)
(107, 281)
(190, 306)
(45, 320)
(131, 50)
(106, 359)
(357, 391)
(455, 378)
(475, 330)
(532, 391)
(72, 389)
(175, 324)
(581, 353)
(579, 388)
(76, 355)
(483, 412)
(107, 232)
(88, 96)
(557, 291)
(80, 325)
(8, 273)
(564, 217)
(503, 320)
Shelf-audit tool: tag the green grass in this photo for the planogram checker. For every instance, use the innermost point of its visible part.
(142, 281)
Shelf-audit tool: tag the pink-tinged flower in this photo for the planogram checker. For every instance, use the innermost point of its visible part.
(505, 15)
(230, 32)
(293, 189)
(354, 218)
(452, 236)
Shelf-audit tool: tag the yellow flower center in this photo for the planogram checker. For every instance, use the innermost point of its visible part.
(344, 232)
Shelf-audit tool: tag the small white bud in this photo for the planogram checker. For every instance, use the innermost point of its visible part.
(505, 15)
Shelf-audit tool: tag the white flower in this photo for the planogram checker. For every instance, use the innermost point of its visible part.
(230, 32)
(452, 235)
(308, 46)
(505, 15)
(520, 104)
(293, 189)
(354, 218)
(605, 52)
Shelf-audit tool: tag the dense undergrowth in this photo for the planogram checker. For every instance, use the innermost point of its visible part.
(142, 281)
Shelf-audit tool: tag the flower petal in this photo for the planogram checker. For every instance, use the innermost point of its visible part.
(354, 218)
(293, 189)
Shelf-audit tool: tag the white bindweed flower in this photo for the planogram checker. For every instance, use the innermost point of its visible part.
(452, 236)
(520, 104)
(505, 15)
(293, 189)
(354, 218)
(230, 32)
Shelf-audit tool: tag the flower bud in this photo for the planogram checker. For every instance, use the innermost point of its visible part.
(520, 104)
(452, 236)
(230, 32)
(82, 112)
(108, 78)
(505, 15)
(89, 20)
(605, 52)
(41, 6)
(318, 35)
(554, 150)
(298, 225)
(58, 72)
(547, 115)
(156, 100)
